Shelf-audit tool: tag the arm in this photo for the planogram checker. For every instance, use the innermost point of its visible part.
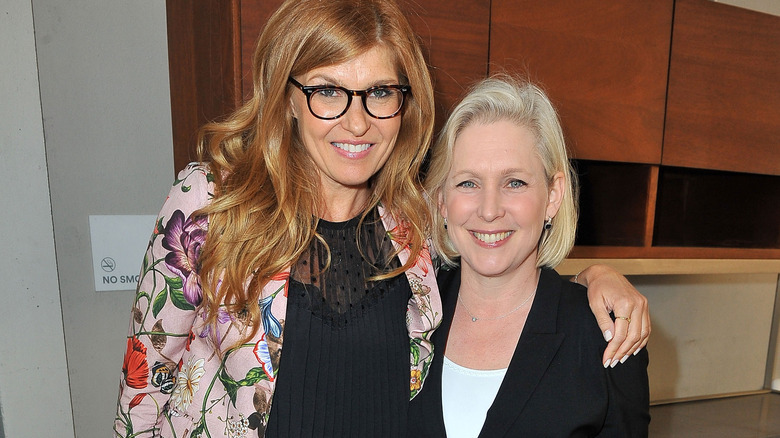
(164, 308)
(609, 291)
(628, 413)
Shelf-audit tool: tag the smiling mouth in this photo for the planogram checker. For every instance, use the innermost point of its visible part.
(353, 148)
(492, 237)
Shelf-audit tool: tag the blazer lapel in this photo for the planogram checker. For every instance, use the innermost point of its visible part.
(535, 350)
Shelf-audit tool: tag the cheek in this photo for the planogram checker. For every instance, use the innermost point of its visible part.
(458, 208)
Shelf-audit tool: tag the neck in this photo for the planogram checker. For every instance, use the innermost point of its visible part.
(497, 292)
(343, 203)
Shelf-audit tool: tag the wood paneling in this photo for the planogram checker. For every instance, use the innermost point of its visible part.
(456, 35)
(203, 58)
(604, 64)
(254, 15)
(724, 89)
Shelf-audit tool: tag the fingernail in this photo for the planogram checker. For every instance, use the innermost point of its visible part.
(637, 351)
(606, 364)
(608, 335)
(614, 362)
(625, 358)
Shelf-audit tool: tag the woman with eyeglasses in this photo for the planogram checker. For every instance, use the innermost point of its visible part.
(290, 265)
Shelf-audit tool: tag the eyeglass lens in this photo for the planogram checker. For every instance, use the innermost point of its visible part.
(379, 102)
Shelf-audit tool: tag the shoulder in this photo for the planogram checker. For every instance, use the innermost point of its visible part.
(574, 314)
(192, 190)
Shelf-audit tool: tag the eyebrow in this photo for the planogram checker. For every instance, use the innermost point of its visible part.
(505, 172)
(330, 80)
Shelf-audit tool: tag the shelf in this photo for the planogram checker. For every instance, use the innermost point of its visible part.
(656, 212)
(627, 266)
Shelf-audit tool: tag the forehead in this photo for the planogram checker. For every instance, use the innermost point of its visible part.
(377, 64)
(495, 145)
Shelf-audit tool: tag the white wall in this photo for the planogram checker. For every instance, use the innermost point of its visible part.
(103, 67)
(33, 372)
(711, 333)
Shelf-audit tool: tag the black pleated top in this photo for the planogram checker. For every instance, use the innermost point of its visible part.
(344, 370)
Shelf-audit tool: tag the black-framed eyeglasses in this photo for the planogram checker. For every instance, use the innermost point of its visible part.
(331, 102)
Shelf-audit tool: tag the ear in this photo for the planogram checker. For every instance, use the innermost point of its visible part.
(440, 202)
(293, 107)
(555, 194)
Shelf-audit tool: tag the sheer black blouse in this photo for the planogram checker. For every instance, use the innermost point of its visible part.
(344, 370)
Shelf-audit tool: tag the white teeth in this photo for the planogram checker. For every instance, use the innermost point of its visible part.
(492, 237)
(353, 147)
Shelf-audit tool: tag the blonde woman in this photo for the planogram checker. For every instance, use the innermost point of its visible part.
(518, 352)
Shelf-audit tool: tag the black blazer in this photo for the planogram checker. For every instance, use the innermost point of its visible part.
(556, 385)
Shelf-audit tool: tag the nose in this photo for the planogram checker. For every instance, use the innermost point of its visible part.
(491, 205)
(356, 119)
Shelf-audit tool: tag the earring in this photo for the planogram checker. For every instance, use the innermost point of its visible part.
(445, 223)
(548, 224)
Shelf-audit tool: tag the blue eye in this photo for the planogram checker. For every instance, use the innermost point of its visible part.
(516, 183)
(467, 184)
(330, 93)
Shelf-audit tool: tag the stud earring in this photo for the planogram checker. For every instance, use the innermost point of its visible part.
(548, 224)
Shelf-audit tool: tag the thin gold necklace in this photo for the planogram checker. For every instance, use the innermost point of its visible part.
(475, 319)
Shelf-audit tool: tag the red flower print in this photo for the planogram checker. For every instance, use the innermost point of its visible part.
(282, 276)
(136, 400)
(134, 367)
(424, 259)
(190, 338)
(400, 234)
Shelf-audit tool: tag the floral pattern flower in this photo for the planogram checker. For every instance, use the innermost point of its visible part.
(263, 356)
(137, 400)
(134, 366)
(222, 317)
(415, 382)
(400, 235)
(237, 428)
(184, 239)
(187, 383)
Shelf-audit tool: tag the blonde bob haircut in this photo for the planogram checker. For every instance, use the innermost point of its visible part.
(506, 98)
(265, 206)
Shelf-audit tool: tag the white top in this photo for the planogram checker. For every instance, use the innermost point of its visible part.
(466, 396)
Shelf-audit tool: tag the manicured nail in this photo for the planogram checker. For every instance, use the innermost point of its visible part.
(637, 351)
(625, 358)
(614, 362)
(608, 335)
(606, 364)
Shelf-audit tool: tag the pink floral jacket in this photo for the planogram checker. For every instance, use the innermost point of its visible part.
(173, 384)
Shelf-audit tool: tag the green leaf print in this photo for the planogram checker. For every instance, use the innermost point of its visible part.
(231, 386)
(178, 300)
(253, 376)
(159, 302)
(173, 282)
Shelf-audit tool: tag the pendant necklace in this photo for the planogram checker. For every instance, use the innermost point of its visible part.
(475, 319)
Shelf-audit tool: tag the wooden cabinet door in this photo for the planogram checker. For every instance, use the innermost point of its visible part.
(603, 63)
(724, 89)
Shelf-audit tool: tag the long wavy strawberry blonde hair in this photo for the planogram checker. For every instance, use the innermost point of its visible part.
(264, 211)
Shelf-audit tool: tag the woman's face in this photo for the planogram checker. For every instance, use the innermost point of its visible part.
(352, 148)
(496, 198)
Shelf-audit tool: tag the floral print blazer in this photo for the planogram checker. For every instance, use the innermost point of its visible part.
(173, 384)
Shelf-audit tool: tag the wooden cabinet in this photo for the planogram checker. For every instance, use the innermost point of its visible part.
(603, 64)
(723, 109)
(670, 107)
